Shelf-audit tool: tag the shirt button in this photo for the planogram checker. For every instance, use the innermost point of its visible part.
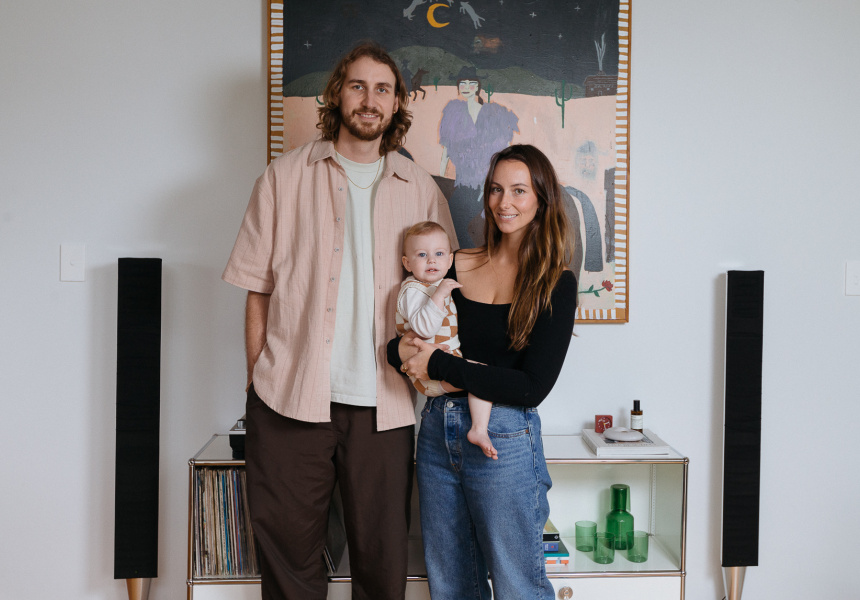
(337, 219)
(450, 404)
(331, 279)
(328, 309)
(340, 189)
(327, 341)
(337, 249)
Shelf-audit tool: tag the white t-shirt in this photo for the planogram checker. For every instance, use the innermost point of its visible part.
(353, 356)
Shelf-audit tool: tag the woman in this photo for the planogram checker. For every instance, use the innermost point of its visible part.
(516, 311)
(470, 132)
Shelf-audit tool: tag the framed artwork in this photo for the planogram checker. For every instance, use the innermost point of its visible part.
(484, 74)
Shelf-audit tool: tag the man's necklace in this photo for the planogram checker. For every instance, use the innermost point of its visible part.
(372, 181)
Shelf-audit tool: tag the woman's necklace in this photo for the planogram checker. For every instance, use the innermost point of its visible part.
(372, 181)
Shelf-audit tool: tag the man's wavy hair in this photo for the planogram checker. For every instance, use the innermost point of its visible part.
(330, 117)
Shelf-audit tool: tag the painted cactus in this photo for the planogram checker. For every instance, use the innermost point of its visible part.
(561, 101)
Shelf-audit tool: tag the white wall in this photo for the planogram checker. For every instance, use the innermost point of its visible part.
(137, 128)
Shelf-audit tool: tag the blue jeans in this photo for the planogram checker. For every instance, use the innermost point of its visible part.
(480, 515)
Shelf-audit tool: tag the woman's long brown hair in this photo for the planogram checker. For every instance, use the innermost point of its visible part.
(330, 117)
(546, 248)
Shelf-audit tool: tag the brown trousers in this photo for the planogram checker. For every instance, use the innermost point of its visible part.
(292, 467)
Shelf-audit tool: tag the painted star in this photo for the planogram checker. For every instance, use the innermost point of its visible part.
(559, 36)
(307, 45)
(532, 15)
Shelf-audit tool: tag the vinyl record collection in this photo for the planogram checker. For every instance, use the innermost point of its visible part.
(224, 545)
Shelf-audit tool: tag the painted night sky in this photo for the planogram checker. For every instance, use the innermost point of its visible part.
(538, 42)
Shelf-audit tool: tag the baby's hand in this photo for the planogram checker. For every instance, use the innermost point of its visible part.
(446, 286)
(443, 290)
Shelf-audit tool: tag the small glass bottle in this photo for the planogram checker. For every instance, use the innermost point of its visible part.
(636, 419)
(619, 521)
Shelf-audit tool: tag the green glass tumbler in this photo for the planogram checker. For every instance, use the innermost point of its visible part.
(585, 532)
(604, 548)
(637, 546)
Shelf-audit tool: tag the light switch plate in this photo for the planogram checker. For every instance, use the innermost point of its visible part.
(73, 262)
(852, 278)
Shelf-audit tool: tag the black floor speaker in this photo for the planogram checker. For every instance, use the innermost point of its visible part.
(138, 382)
(742, 418)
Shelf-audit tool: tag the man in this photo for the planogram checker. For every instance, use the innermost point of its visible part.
(319, 253)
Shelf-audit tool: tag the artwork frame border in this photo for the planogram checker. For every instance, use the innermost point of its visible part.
(619, 285)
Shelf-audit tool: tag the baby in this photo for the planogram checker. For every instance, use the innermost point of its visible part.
(424, 306)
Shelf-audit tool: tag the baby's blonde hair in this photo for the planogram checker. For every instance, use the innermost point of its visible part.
(422, 228)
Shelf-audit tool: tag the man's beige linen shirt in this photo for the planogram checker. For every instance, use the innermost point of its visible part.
(289, 246)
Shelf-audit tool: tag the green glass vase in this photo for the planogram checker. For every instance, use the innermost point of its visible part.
(619, 522)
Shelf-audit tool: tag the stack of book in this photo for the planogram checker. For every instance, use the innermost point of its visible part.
(554, 550)
(649, 445)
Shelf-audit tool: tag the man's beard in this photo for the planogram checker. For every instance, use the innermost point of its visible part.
(365, 131)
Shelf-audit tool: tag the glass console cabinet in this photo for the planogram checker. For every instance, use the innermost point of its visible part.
(221, 563)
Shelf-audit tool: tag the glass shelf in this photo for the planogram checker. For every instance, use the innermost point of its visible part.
(660, 562)
(216, 452)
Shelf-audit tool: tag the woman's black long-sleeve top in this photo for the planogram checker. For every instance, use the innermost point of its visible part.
(520, 378)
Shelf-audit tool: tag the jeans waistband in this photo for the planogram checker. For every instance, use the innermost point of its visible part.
(461, 404)
(449, 403)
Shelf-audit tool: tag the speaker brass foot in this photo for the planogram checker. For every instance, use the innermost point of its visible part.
(733, 579)
(138, 589)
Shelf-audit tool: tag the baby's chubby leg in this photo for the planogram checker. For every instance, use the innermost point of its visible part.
(480, 410)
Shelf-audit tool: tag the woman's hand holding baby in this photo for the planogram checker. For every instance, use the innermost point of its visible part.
(417, 365)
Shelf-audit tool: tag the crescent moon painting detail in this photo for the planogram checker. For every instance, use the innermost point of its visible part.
(432, 19)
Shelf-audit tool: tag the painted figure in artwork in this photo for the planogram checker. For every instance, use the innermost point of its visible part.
(470, 132)
(587, 160)
(415, 85)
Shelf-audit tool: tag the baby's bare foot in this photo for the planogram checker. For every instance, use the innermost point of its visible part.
(482, 440)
